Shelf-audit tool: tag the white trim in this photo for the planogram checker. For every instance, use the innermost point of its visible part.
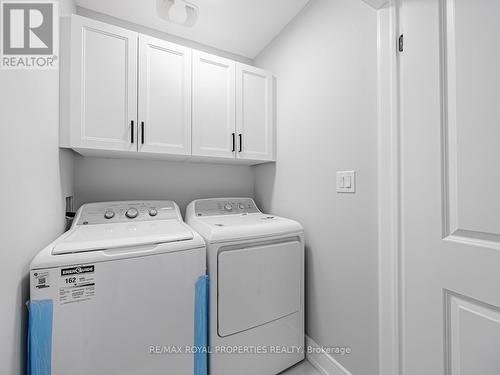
(322, 361)
(389, 192)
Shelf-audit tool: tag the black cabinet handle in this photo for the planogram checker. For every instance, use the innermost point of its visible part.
(132, 131)
(142, 132)
(241, 142)
(234, 142)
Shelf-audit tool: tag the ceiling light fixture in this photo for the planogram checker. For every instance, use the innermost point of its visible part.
(180, 12)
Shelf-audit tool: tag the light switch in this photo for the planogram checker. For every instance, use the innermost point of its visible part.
(346, 182)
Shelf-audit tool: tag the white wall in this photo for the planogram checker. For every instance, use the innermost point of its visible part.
(99, 179)
(326, 67)
(35, 177)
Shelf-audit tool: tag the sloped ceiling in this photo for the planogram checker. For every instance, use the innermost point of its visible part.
(242, 27)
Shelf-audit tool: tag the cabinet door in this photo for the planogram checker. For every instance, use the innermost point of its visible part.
(164, 97)
(254, 113)
(103, 85)
(213, 106)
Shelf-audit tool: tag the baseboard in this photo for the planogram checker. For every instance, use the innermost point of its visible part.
(322, 361)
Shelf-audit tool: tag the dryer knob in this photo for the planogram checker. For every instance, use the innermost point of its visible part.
(109, 214)
(228, 207)
(153, 212)
(132, 213)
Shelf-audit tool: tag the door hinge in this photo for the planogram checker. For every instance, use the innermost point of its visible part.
(401, 43)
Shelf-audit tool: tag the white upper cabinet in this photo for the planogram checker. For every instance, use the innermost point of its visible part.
(254, 113)
(214, 113)
(126, 94)
(164, 97)
(102, 68)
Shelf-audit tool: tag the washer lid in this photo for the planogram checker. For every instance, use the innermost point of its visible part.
(242, 226)
(110, 236)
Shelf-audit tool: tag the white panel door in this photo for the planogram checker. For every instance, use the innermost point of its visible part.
(450, 187)
(213, 106)
(104, 85)
(254, 113)
(164, 97)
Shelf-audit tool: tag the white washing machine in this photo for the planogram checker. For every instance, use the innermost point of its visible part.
(256, 271)
(116, 291)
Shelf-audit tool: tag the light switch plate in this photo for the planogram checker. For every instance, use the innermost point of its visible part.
(346, 182)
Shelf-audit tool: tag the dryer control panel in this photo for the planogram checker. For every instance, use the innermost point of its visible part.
(119, 212)
(224, 206)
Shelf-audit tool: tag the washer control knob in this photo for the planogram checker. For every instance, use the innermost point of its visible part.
(153, 212)
(132, 213)
(241, 206)
(228, 207)
(109, 214)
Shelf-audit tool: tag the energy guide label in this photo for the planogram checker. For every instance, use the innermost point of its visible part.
(77, 284)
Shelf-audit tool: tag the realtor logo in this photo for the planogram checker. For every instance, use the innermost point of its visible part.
(30, 37)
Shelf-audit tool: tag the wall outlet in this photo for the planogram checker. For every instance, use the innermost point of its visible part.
(346, 182)
(69, 204)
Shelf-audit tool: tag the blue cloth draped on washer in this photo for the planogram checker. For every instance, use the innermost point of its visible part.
(201, 326)
(39, 354)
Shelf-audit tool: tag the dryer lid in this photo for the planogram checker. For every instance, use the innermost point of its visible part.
(85, 238)
(243, 226)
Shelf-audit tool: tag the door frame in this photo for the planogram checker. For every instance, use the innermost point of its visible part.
(390, 244)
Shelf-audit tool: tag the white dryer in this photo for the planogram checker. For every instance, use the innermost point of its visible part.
(117, 291)
(256, 271)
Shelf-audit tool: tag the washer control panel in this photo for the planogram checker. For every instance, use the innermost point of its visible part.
(225, 206)
(119, 212)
